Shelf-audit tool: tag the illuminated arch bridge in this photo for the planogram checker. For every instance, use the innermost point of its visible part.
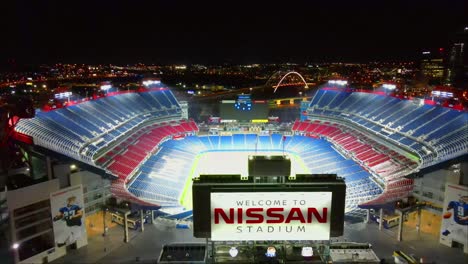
(294, 77)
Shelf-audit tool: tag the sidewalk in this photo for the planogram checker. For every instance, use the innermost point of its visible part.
(146, 247)
(418, 244)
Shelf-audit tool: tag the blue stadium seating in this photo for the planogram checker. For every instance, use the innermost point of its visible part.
(72, 130)
(157, 182)
(427, 130)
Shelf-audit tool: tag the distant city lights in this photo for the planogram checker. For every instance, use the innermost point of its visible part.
(338, 82)
(426, 52)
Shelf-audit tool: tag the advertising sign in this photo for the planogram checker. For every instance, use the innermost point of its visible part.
(454, 226)
(68, 215)
(271, 216)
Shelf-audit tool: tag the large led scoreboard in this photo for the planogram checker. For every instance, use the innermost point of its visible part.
(244, 109)
(299, 207)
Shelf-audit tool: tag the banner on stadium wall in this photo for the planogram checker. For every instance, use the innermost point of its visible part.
(270, 216)
(67, 207)
(454, 227)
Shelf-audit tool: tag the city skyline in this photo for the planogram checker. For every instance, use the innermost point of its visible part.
(157, 32)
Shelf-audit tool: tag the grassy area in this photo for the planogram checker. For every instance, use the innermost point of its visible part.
(300, 162)
(236, 165)
(413, 157)
(186, 197)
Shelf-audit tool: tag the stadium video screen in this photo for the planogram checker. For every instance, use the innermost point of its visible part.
(230, 112)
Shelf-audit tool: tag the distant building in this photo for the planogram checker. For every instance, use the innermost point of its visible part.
(433, 65)
(457, 61)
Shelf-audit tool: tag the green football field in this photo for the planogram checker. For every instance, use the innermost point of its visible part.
(227, 162)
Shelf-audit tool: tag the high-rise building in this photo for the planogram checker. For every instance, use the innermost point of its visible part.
(433, 65)
(457, 61)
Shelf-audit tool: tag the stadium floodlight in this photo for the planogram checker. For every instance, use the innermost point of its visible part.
(389, 86)
(63, 95)
(233, 252)
(15, 246)
(271, 252)
(151, 82)
(106, 87)
(307, 252)
(338, 82)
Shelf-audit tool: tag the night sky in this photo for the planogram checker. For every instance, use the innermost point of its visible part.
(225, 31)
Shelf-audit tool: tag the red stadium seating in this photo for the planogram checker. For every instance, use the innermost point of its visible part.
(132, 152)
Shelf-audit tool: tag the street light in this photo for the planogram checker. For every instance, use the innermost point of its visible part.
(15, 246)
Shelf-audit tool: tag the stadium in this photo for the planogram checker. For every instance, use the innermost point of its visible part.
(142, 141)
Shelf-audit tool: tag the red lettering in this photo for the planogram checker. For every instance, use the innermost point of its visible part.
(271, 213)
(291, 216)
(251, 213)
(321, 218)
(220, 212)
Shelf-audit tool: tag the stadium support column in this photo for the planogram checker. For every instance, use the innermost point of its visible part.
(104, 213)
(49, 168)
(152, 217)
(367, 216)
(381, 219)
(400, 226)
(126, 226)
(142, 220)
(418, 225)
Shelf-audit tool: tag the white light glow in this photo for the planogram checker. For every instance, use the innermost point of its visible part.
(106, 87)
(389, 86)
(307, 252)
(151, 82)
(442, 94)
(233, 252)
(338, 82)
(271, 252)
(15, 246)
(63, 95)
